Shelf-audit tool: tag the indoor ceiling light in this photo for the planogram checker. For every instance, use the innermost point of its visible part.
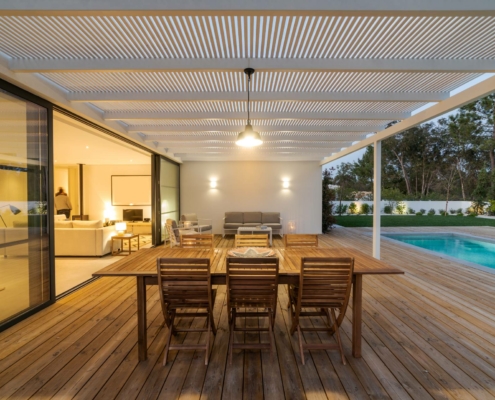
(248, 138)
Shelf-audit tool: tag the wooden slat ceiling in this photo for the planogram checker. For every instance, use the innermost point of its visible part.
(322, 81)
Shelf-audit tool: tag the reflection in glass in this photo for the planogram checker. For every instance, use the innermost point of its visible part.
(24, 244)
(169, 194)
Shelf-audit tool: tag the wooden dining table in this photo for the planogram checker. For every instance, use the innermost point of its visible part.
(142, 265)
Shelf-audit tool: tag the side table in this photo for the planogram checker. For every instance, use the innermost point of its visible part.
(128, 237)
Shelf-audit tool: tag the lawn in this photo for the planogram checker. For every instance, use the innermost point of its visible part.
(357, 221)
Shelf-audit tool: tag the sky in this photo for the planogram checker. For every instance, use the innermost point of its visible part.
(359, 153)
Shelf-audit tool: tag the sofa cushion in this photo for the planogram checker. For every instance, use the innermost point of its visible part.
(63, 224)
(202, 228)
(252, 217)
(252, 224)
(270, 218)
(87, 224)
(274, 226)
(189, 217)
(234, 218)
(231, 225)
(59, 217)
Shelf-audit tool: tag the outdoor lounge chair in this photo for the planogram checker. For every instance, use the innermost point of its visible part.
(196, 241)
(298, 240)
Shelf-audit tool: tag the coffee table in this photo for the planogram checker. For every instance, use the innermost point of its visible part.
(255, 229)
(128, 237)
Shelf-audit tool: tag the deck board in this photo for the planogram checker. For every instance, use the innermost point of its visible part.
(426, 334)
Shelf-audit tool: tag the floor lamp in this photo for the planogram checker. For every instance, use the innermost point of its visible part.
(14, 210)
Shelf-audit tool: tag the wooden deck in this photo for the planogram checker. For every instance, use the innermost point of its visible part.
(426, 334)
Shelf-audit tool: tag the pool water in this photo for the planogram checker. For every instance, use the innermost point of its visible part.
(475, 250)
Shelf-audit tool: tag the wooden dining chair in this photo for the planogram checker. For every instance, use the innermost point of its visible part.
(324, 288)
(252, 241)
(252, 283)
(199, 241)
(298, 240)
(185, 291)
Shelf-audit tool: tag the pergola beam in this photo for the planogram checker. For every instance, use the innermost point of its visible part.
(160, 7)
(94, 97)
(125, 115)
(150, 129)
(19, 65)
(469, 95)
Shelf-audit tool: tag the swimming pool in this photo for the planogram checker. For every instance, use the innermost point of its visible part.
(466, 248)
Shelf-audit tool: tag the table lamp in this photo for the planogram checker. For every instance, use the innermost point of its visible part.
(121, 228)
(292, 226)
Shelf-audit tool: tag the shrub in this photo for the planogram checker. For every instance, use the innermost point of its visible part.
(491, 207)
(401, 208)
(353, 208)
(459, 211)
(442, 212)
(478, 206)
(387, 209)
(365, 208)
(453, 211)
(341, 209)
(371, 208)
(411, 211)
(419, 214)
(460, 214)
(472, 214)
(431, 212)
(422, 211)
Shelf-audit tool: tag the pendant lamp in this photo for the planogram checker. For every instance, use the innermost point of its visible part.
(248, 137)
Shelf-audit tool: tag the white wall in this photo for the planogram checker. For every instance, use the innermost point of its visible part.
(97, 190)
(253, 186)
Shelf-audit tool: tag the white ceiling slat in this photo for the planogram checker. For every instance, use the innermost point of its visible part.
(321, 77)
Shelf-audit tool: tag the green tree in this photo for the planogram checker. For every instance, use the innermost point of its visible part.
(328, 197)
(483, 188)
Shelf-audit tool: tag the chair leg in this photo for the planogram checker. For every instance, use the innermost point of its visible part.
(337, 335)
(231, 341)
(208, 342)
(301, 350)
(212, 322)
(169, 338)
(272, 336)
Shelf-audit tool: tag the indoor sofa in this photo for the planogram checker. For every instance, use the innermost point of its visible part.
(234, 220)
(83, 238)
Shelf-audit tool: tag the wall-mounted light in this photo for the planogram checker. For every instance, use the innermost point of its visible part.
(213, 184)
(286, 184)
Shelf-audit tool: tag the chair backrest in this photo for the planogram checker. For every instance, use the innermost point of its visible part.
(175, 229)
(251, 241)
(325, 282)
(252, 282)
(184, 283)
(196, 241)
(171, 232)
(298, 240)
(191, 218)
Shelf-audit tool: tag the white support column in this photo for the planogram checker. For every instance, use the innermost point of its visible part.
(377, 195)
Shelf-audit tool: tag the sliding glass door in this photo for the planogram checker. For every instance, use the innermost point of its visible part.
(25, 257)
(167, 196)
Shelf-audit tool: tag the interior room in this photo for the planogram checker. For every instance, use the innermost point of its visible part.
(107, 181)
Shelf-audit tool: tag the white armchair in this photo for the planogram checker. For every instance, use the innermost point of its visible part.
(199, 225)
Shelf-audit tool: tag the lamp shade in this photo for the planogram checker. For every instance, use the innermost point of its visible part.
(248, 138)
(121, 226)
(14, 210)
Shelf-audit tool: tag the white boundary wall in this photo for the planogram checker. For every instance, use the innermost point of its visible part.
(416, 205)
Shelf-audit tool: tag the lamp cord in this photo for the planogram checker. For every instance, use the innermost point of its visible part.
(249, 85)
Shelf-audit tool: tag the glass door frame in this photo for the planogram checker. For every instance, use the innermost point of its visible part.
(25, 95)
(156, 212)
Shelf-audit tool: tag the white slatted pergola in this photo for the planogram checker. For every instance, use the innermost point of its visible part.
(330, 75)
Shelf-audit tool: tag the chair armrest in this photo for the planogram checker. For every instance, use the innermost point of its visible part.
(204, 219)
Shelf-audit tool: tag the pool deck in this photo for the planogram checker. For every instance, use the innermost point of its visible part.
(426, 334)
